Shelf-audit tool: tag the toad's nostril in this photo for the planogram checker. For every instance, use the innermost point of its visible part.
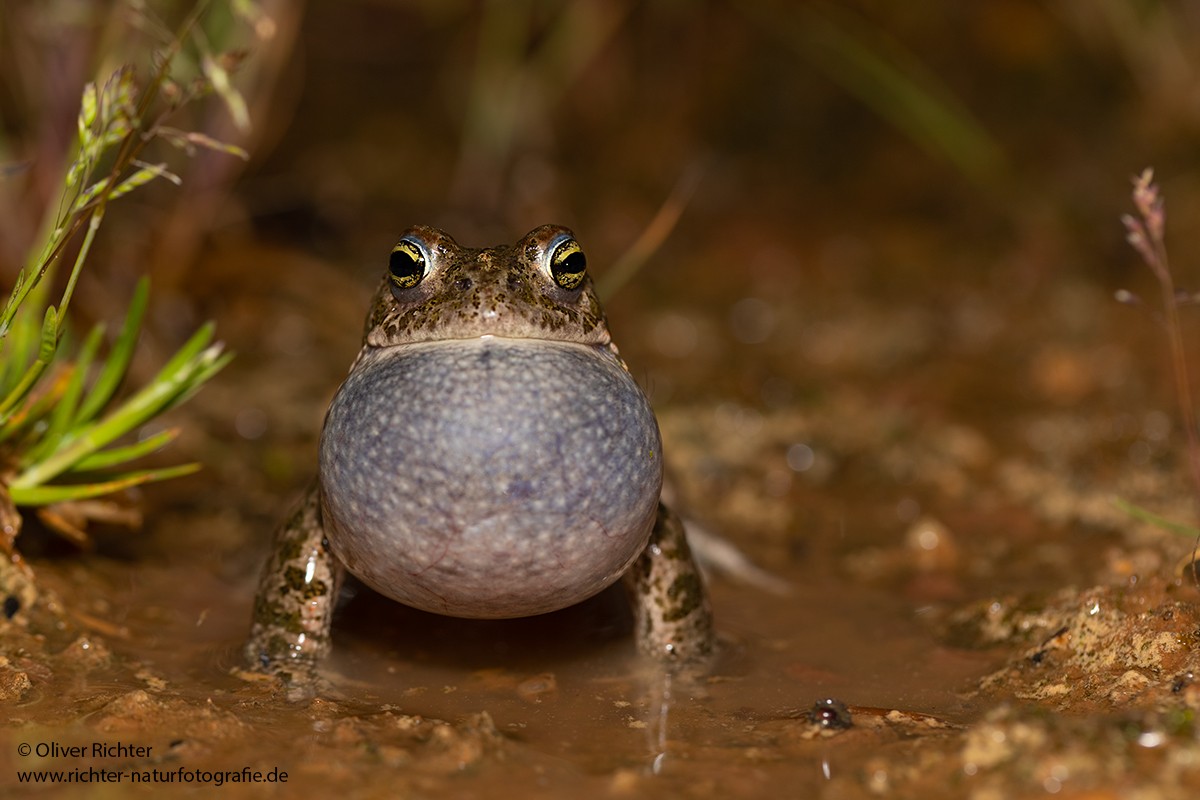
(463, 284)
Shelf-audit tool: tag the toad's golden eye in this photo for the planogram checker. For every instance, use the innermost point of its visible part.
(407, 265)
(568, 264)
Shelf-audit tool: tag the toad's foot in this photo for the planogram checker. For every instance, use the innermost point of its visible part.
(672, 616)
(293, 610)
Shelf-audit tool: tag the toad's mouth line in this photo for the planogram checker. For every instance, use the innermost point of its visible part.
(498, 338)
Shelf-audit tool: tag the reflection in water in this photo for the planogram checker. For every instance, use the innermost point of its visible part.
(660, 746)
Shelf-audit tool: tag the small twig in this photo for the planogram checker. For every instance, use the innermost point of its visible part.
(655, 233)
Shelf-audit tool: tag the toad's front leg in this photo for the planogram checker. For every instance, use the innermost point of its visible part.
(672, 615)
(293, 610)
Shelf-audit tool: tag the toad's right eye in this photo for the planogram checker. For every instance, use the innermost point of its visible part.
(407, 265)
(568, 264)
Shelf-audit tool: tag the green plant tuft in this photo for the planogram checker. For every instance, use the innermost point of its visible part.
(59, 423)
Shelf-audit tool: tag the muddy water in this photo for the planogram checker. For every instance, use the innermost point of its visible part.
(567, 696)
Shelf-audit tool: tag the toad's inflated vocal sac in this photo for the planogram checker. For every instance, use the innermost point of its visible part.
(489, 456)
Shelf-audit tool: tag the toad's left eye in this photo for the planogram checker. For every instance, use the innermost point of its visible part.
(406, 265)
(568, 264)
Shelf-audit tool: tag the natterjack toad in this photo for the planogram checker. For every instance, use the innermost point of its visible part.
(489, 456)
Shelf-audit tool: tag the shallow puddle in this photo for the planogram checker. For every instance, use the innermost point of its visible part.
(565, 692)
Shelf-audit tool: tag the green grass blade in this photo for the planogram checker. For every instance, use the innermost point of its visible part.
(31, 411)
(190, 350)
(103, 459)
(1154, 519)
(49, 343)
(59, 423)
(45, 495)
(889, 80)
(175, 378)
(46, 349)
(217, 362)
(118, 359)
(18, 393)
(17, 352)
(164, 394)
(13, 305)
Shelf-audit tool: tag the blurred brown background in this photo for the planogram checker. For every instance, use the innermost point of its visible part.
(869, 147)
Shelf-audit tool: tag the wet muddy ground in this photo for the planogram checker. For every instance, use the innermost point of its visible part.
(995, 626)
(910, 398)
